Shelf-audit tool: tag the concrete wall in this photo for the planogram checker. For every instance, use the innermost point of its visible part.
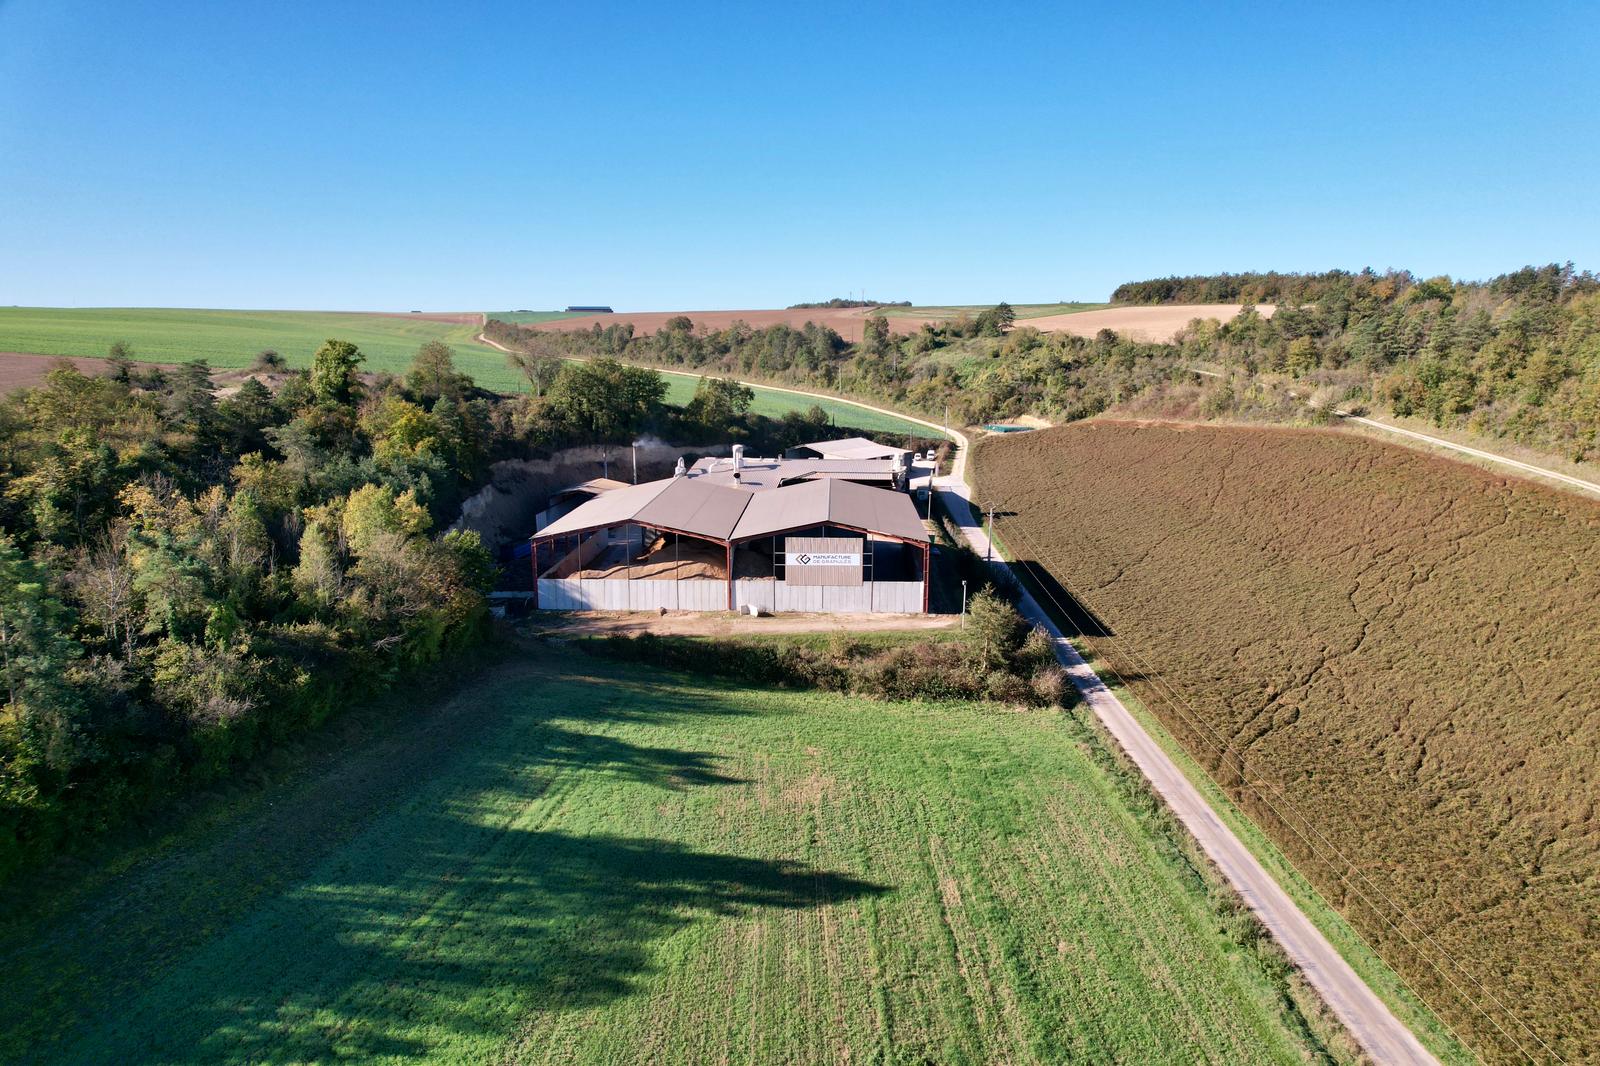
(699, 594)
(778, 597)
(691, 594)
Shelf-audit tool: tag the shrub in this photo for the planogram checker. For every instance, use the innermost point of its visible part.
(1051, 685)
(995, 631)
(937, 671)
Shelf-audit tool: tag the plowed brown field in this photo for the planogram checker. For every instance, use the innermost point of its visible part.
(848, 322)
(1143, 323)
(1388, 659)
(20, 370)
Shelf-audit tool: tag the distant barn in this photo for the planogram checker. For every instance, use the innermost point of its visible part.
(597, 310)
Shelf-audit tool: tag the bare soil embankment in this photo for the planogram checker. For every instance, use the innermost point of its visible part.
(21, 370)
(1387, 658)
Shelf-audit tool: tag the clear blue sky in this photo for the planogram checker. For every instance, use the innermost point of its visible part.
(667, 156)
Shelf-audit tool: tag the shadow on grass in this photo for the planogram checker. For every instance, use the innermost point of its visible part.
(290, 926)
(461, 944)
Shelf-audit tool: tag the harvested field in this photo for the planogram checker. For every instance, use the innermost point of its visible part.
(1397, 650)
(1159, 323)
(580, 860)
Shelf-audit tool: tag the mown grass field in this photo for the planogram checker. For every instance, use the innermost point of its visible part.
(578, 860)
(1385, 658)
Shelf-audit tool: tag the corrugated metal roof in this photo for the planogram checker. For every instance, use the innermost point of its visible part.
(593, 487)
(853, 448)
(700, 506)
(770, 473)
(790, 507)
(696, 505)
(607, 509)
(815, 503)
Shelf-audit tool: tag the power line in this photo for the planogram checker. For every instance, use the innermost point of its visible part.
(1226, 749)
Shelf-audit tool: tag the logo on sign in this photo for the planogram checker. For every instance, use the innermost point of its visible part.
(824, 559)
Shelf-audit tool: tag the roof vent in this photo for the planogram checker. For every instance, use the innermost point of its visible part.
(680, 469)
(738, 456)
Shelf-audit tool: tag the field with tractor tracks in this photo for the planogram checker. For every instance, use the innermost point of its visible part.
(1387, 658)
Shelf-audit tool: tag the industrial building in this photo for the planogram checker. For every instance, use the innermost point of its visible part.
(810, 534)
(850, 449)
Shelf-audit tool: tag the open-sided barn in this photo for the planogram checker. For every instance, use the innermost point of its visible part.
(785, 537)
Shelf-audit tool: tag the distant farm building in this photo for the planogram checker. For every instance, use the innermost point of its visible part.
(850, 449)
(730, 534)
(588, 310)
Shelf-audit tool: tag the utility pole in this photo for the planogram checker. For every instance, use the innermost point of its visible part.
(988, 548)
(963, 603)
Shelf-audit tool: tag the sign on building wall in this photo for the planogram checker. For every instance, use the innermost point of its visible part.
(823, 560)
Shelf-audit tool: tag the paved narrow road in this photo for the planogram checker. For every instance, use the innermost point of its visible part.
(1369, 1020)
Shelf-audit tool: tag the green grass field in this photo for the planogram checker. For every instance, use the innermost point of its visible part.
(231, 339)
(774, 404)
(578, 860)
(530, 317)
(1024, 311)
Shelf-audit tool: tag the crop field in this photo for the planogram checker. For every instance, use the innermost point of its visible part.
(228, 339)
(580, 860)
(231, 339)
(1387, 659)
(1024, 311)
(526, 317)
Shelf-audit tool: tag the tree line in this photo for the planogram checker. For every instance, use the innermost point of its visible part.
(1517, 356)
(190, 575)
(839, 302)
